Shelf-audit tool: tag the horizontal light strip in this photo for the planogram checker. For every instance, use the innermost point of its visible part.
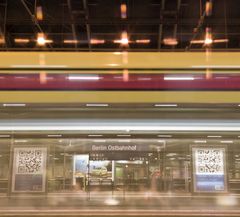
(81, 77)
(172, 78)
(4, 136)
(55, 135)
(227, 141)
(165, 136)
(165, 105)
(124, 140)
(95, 135)
(96, 105)
(124, 135)
(14, 105)
(99, 140)
(200, 141)
(20, 140)
(214, 136)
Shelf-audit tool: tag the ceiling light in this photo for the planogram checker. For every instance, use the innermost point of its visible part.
(39, 13)
(226, 141)
(70, 41)
(97, 41)
(214, 136)
(124, 140)
(21, 40)
(208, 37)
(94, 135)
(124, 135)
(20, 140)
(96, 105)
(124, 39)
(208, 7)
(99, 140)
(170, 41)
(165, 105)
(200, 141)
(2, 39)
(55, 135)
(41, 40)
(14, 104)
(4, 136)
(165, 136)
(143, 41)
(123, 11)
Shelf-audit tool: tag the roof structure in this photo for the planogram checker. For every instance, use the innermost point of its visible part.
(98, 25)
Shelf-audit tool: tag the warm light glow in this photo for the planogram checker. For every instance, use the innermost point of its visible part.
(97, 41)
(21, 40)
(208, 37)
(39, 13)
(208, 8)
(143, 41)
(124, 39)
(2, 39)
(70, 41)
(123, 11)
(170, 41)
(41, 40)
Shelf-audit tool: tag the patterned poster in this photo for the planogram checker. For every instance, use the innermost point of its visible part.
(209, 169)
(29, 169)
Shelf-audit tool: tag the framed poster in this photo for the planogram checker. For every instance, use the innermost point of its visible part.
(209, 169)
(29, 169)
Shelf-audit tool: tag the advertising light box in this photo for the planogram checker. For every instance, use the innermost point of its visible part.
(209, 169)
(29, 169)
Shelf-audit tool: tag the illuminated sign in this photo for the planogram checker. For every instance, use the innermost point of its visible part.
(209, 169)
(114, 147)
(29, 169)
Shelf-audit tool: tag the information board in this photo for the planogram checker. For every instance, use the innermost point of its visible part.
(29, 169)
(209, 169)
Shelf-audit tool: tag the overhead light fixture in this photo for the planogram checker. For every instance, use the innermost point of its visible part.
(70, 41)
(227, 141)
(20, 140)
(200, 141)
(41, 40)
(96, 105)
(170, 41)
(55, 135)
(165, 105)
(164, 136)
(208, 41)
(4, 136)
(123, 9)
(14, 104)
(214, 136)
(124, 135)
(124, 39)
(99, 140)
(97, 41)
(21, 40)
(209, 7)
(124, 140)
(39, 13)
(95, 135)
(143, 41)
(2, 39)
